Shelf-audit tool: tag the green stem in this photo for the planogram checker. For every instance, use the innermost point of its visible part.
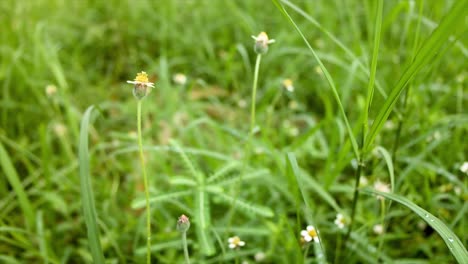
(254, 94)
(382, 221)
(355, 200)
(184, 243)
(145, 180)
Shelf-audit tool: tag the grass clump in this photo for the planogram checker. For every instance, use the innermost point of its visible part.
(360, 147)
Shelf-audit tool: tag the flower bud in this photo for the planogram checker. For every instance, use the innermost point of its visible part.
(183, 224)
(261, 43)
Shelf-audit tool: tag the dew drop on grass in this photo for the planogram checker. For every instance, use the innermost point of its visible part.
(427, 215)
(450, 239)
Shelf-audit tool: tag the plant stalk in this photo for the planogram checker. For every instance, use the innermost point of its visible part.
(184, 243)
(145, 180)
(254, 95)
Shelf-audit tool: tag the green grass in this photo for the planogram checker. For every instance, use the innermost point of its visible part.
(380, 93)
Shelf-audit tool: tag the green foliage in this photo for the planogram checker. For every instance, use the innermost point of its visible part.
(87, 196)
(397, 66)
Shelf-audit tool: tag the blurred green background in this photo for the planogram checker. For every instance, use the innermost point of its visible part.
(59, 57)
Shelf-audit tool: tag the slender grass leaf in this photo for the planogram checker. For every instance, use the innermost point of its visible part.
(340, 44)
(388, 160)
(87, 196)
(327, 77)
(15, 182)
(375, 54)
(294, 167)
(424, 56)
(454, 244)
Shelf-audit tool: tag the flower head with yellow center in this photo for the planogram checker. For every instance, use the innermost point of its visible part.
(288, 85)
(142, 85)
(235, 242)
(142, 79)
(261, 43)
(310, 234)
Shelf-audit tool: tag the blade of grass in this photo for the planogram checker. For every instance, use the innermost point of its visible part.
(350, 54)
(15, 182)
(454, 244)
(87, 196)
(424, 56)
(327, 77)
(375, 55)
(294, 167)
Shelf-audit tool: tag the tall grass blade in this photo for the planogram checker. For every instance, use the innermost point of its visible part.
(87, 196)
(375, 54)
(454, 244)
(327, 77)
(424, 56)
(15, 182)
(294, 168)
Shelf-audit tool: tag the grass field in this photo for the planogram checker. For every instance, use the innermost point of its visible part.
(360, 130)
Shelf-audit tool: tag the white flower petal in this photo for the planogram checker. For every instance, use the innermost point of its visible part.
(316, 239)
(241, 243)
(230, 240)
(310, 228)
(304, 233)
(232, 246)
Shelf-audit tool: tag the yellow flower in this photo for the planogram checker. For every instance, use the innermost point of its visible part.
(235, 242)
(288, 85)
(261, 43)
(142, 79)
(142, 84)
(310, 234)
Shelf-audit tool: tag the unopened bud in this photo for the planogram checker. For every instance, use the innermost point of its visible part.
(183, 224)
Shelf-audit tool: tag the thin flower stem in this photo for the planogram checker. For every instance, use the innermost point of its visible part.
(355, 200)
(382, 221)
(254, 94)
(145, 180)
(184, 243)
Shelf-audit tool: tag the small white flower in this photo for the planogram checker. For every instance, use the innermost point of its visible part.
(242, 103)
(50, 90)
(378, 229)
(260, 256)
(142, 85)
(288, 85)
(293, 105)
(60, 129)
(179, 78)
(363, 181)
(340, 221)
(464, 167)
(310, 234)
(381, 187)
(235, 242)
